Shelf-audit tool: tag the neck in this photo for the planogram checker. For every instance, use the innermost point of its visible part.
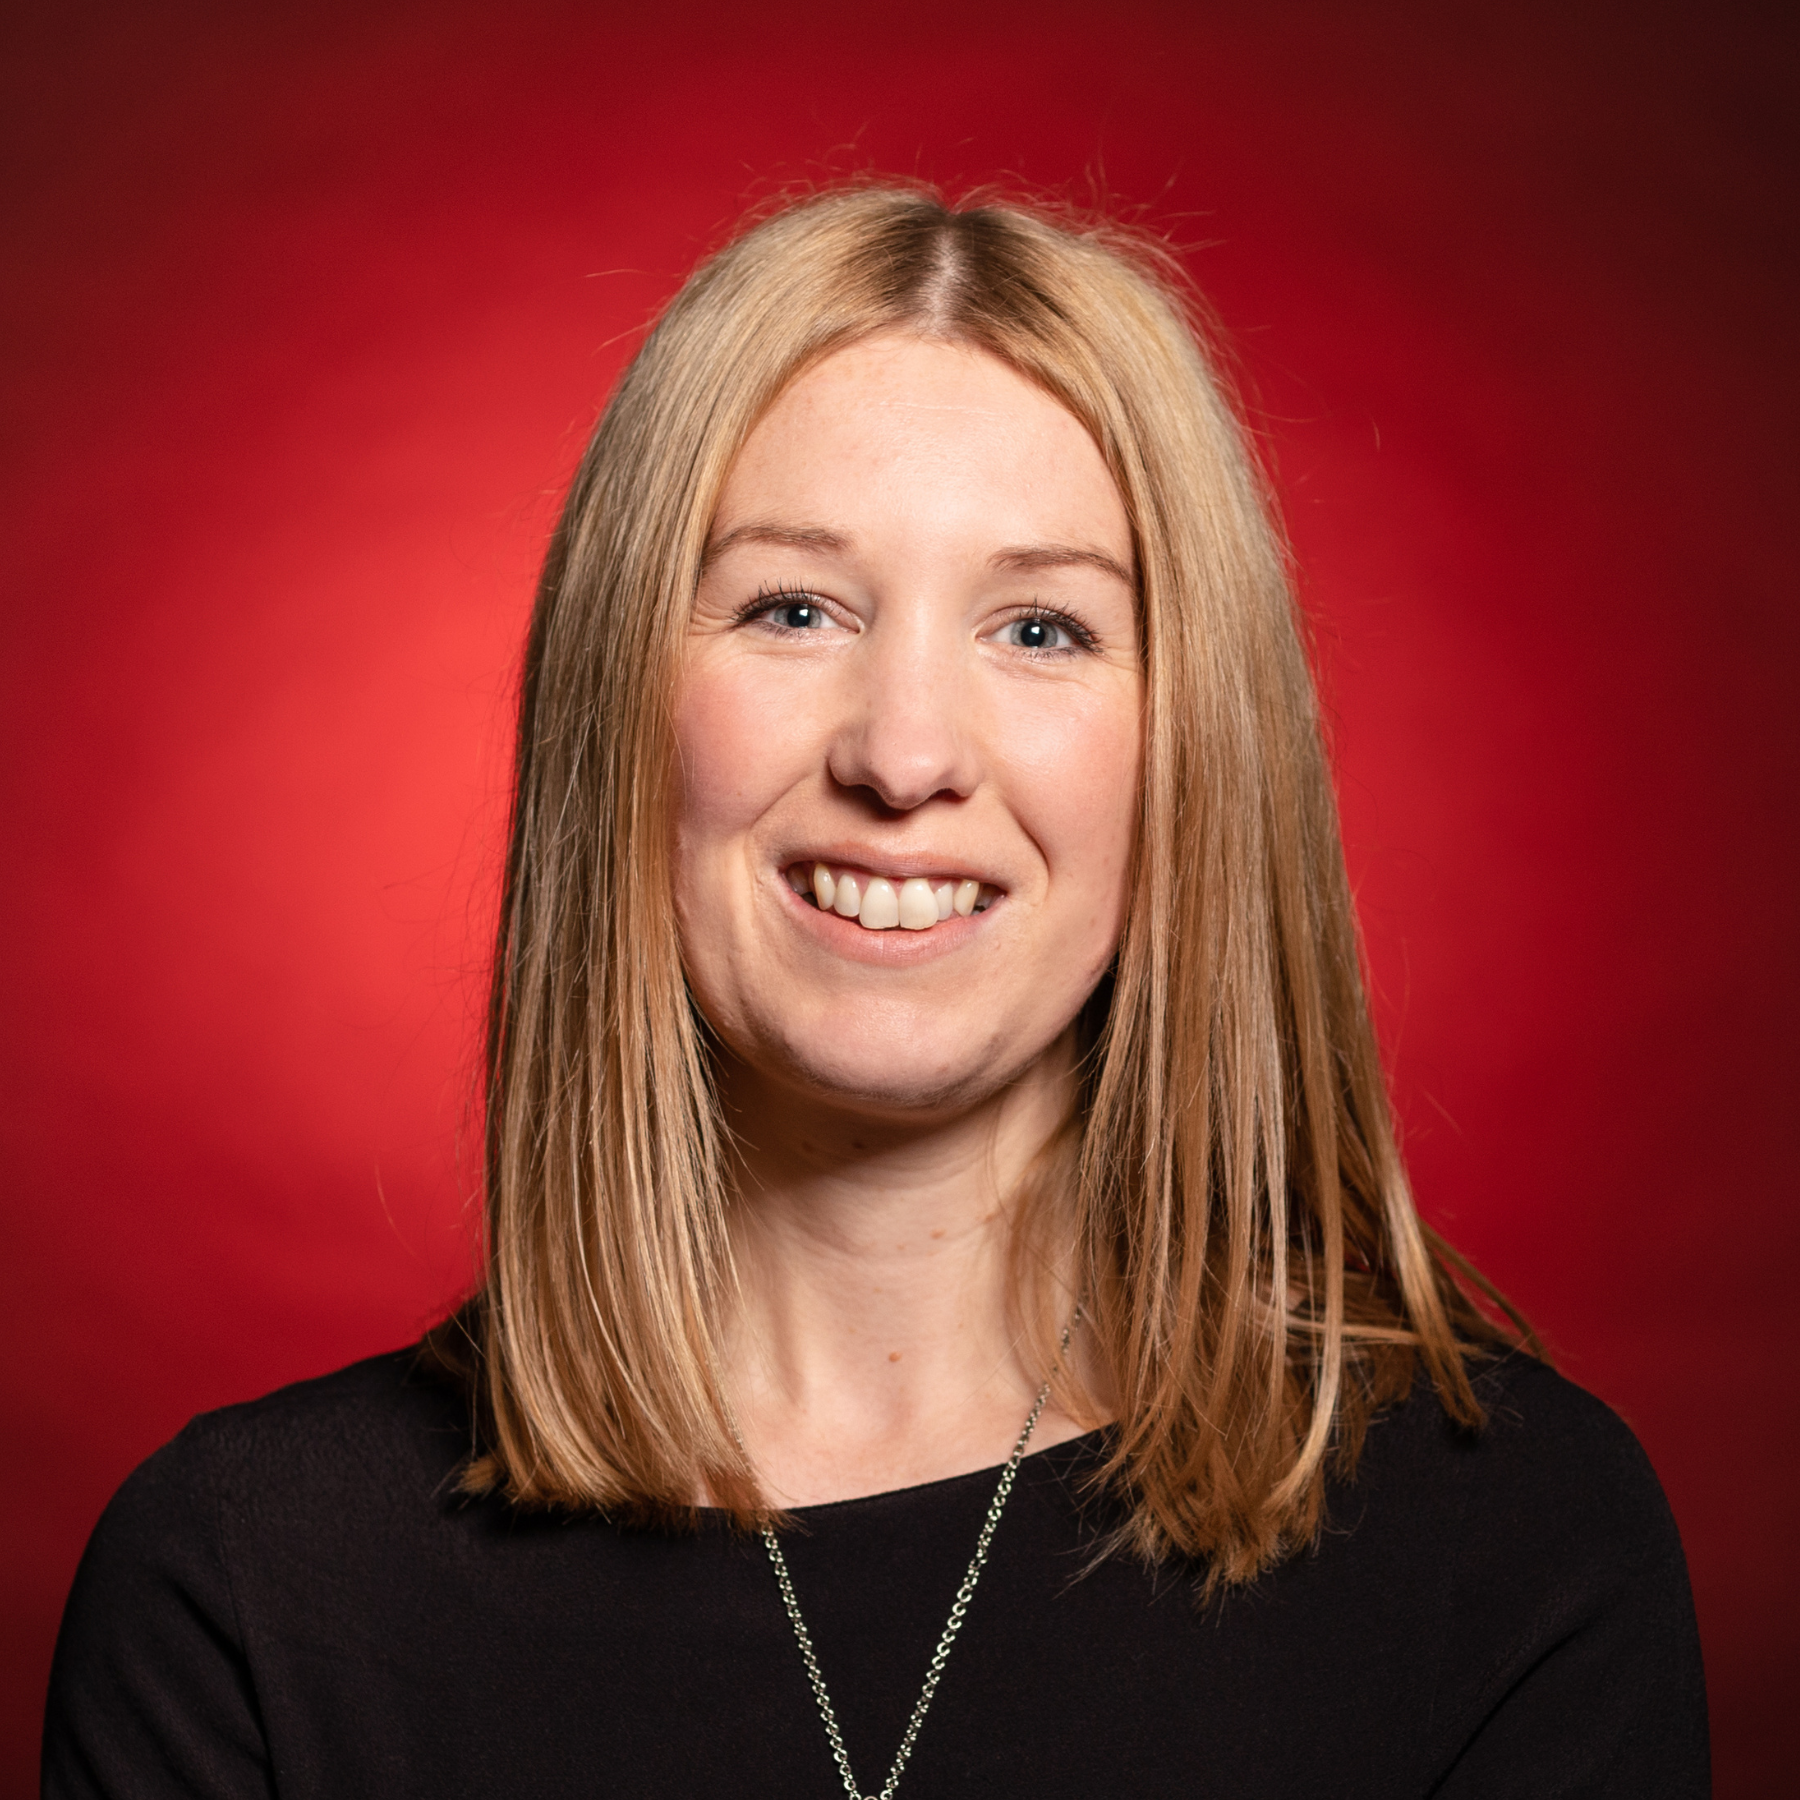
(873, 1344)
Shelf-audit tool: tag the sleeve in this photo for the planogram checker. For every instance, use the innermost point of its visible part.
(150, 1691)
(1613, 1709)
(1590, 1685)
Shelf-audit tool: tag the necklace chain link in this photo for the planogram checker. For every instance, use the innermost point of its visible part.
(959, 1611)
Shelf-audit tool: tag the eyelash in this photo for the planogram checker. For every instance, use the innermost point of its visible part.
(1034, 614)
(769, 599)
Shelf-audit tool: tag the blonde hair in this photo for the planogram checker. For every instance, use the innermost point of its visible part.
(1229, 1193)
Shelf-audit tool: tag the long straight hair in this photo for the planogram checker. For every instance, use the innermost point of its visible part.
(1228, 1194)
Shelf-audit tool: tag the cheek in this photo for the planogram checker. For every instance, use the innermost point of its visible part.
(1076, 772)
(729, 760)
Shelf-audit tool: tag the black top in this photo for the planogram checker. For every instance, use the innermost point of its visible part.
(289, 1599)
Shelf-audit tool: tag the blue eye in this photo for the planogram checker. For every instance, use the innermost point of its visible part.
(799, 615)
(1037, 634)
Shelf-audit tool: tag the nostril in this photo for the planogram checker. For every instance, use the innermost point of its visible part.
(892, 804)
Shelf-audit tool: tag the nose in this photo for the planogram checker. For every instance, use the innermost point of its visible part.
(907, 733)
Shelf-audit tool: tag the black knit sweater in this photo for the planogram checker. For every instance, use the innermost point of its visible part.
(290, 1599)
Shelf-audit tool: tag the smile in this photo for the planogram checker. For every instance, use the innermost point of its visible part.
(877, 904)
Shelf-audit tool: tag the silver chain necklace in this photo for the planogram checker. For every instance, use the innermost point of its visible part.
(958, 1611)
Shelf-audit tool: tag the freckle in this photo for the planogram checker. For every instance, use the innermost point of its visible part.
(938, 1233)
(893, 1356)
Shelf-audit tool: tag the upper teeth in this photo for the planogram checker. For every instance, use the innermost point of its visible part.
(878, 905)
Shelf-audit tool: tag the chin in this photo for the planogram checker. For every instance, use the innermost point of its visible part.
(897, 1095)
(892, 1074)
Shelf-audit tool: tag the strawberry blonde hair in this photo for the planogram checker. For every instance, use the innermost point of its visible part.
(1228, 1194)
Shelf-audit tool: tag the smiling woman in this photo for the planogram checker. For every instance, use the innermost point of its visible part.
(960, 700)
(922, 568)
(926, 1024)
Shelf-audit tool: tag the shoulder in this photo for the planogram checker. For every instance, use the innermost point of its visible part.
(1552, 1466)
(380, 1434)
(1539, 1419)
(233, 1527)
(387, 1418)
(1535, 1571)
(1548, 1517)
(1546, 1577)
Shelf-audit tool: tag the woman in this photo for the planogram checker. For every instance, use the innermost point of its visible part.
(926, 1024)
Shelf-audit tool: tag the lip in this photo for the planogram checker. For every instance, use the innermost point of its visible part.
(895, 949)
(863, 859)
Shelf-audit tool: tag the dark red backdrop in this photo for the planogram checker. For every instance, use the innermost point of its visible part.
(307, 313)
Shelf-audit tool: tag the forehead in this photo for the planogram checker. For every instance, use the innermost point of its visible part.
(899, 424)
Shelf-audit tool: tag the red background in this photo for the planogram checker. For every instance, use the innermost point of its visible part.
(308, 313)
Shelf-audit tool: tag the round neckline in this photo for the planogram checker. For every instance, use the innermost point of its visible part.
(1088, 1439)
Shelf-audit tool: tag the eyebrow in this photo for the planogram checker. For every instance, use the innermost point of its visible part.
(787, 537)
(1062, 556)
(818, 537)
